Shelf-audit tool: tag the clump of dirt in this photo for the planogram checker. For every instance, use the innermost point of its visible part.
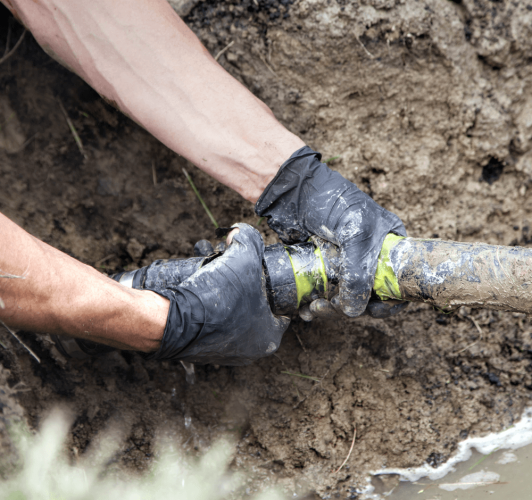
(428, 104)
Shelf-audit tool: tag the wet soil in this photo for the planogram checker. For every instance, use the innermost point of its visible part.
(429, 106)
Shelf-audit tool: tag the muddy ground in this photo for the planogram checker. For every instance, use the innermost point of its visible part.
(429, 105)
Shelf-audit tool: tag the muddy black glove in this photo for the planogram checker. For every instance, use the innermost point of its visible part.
(306, 198)
(220, 314)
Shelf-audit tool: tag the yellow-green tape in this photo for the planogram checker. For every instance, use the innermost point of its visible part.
(309, 280)
(386, 285)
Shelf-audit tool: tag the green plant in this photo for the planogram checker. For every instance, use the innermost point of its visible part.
(45, 473)
(198, 195)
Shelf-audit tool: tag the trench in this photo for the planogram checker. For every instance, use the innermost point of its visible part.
(414, 123)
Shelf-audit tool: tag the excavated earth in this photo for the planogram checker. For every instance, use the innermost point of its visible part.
(427, 103)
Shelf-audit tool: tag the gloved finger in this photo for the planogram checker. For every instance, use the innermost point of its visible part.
(220, 247)
(203, 248)
(385, 308)
(245, 238)
(357, 277)
(322, 308)
(335, 302)
(305, 314)
(281, 324)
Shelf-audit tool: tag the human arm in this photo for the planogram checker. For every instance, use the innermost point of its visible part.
(139, 55)
(218, 315)
(54, 293)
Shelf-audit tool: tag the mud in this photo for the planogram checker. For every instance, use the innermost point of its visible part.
(449, 275)
(428, 104)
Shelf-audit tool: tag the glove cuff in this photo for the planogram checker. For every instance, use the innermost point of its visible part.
(186, 317)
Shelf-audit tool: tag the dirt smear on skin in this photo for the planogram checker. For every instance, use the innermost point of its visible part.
(429, 105)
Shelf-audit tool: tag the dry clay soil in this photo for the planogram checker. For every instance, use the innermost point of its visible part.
(428, 104)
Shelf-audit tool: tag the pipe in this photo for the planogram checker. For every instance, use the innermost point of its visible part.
(445, 274)
(449, 275)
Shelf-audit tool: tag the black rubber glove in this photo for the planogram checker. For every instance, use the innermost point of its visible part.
(221, 313)
(306, 197)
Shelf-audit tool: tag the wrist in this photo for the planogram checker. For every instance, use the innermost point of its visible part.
(116, 316)
(269, 158)
(248, 164)
(153, 314)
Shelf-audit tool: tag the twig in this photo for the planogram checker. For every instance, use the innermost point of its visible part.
(349, 454)
(480, 337)
(476, 324)
(20, 340)
(73, 130)
(470, 345)
(224, 50)
(189, 179)
(301, 342)
(296, 406)
(154, 173)
(268, 66)
(279, 358)
(20, 387)
(315, 379)
(482, 459)
(8, 37)
(29, 140)
(5, 57)
(101, 261)
(364, 47)
(297, 390)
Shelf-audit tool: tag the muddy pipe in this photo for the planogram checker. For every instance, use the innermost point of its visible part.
(448, 274)
(445, 274)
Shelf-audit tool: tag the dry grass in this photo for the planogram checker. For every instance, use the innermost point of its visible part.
(198, 195)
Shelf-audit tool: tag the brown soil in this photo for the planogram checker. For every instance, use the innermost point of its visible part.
(429, 105)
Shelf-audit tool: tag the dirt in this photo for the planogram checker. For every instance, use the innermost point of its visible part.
(429, 106)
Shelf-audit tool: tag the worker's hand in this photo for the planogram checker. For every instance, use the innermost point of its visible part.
(306, 198)
(221, 313)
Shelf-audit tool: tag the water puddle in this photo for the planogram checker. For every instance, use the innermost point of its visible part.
(497, 466)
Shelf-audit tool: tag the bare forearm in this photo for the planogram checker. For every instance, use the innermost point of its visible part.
(140, 55)
(45, 290)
